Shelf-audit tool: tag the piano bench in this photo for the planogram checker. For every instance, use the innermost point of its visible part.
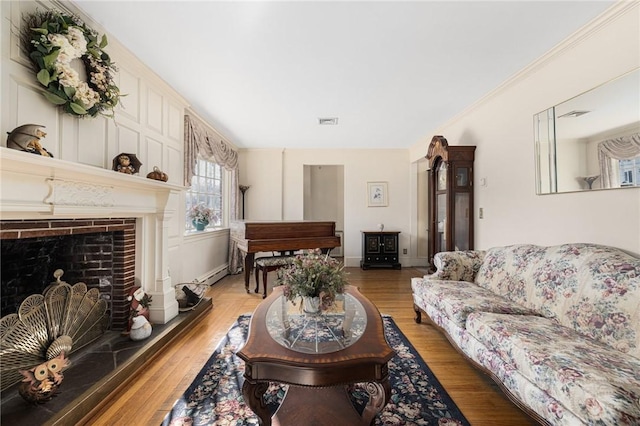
(268, 264)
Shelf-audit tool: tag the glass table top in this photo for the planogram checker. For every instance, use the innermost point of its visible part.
(330, 331)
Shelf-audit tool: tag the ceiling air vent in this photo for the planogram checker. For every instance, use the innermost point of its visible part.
(328, 121)
(573, 114)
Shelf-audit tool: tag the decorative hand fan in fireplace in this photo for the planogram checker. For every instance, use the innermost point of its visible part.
(48, 326)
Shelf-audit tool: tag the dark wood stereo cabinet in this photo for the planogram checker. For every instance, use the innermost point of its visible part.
(380, 249)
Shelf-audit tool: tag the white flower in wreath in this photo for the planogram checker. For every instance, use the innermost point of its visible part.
(86, 95)
(67, 76)
(77, 40)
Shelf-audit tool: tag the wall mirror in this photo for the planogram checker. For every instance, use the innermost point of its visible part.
(591, 141)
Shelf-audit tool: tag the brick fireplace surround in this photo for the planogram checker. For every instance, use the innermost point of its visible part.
(98, 252)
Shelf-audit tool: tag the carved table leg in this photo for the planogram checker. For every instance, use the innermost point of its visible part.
(379, 394)
(252, 393)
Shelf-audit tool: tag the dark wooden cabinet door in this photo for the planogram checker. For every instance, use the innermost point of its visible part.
(450, 196)
(380, 249)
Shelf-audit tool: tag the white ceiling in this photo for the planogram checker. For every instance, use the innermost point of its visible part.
(262, 73)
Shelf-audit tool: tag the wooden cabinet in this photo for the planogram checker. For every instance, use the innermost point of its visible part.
(380, 249)
(450, 196)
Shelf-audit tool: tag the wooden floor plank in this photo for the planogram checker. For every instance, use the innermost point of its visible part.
(160, 384)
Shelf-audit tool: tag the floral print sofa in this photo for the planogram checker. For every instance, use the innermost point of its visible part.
(558, 328)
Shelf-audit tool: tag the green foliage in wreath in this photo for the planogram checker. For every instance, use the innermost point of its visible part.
(52, 40)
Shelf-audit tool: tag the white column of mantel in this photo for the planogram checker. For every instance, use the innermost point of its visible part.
(164, 305)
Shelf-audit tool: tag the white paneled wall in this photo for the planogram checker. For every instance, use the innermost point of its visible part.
(148, 123)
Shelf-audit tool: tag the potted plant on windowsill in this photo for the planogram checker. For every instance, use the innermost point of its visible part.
(315, 278)
(201, 216)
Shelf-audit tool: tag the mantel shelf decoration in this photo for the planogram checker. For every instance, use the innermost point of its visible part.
(126, 163)
(57, 44)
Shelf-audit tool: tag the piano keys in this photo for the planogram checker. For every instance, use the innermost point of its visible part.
(281, 236)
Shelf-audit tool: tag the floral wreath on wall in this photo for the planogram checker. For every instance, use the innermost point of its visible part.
(53, 40)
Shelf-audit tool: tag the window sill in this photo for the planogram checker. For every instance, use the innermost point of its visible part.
(209, 232)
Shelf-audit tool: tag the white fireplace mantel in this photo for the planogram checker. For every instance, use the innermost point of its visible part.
(36, 187)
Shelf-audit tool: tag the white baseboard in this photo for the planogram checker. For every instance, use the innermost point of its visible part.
(214, 275)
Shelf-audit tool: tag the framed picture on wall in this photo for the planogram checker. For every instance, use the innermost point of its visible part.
(377, 194)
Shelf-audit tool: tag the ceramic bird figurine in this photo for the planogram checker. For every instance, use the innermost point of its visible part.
(27, 138)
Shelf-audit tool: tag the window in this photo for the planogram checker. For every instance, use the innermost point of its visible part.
(206, 189)
(630, 172)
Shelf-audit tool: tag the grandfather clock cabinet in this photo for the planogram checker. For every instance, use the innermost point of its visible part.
(450, 196)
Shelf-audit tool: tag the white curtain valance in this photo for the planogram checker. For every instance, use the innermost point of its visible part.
(199, 139)
(613, 150)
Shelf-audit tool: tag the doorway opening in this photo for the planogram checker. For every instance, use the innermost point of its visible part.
(324, 198)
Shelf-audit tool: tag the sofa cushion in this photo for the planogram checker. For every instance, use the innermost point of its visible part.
(606, 305)
(457, 265)
(273, 261)
(591, 288)
(457, 299)
(598, 384)
(509, 271)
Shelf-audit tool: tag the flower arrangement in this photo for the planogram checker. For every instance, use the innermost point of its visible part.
(202, 213)
(313, 274)
(52, 40)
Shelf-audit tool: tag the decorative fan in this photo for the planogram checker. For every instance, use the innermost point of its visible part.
(47, 326)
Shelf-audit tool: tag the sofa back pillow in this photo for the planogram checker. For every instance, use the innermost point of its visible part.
(591, 288)
(508, 271)
(456, 265)
(606, 305)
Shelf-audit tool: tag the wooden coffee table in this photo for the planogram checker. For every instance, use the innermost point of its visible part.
(318, 356)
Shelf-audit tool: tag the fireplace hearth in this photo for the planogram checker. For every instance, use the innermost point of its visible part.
(98, 373)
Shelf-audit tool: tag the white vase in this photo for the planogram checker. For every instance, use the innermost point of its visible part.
(311, 305)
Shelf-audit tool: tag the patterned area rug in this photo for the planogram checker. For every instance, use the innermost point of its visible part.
(215, 396)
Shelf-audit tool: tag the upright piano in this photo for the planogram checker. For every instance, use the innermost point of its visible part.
(281, 236)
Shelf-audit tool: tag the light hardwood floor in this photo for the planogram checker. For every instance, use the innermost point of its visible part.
(148, 398)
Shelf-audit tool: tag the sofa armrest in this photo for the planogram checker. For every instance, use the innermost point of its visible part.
(457, 265)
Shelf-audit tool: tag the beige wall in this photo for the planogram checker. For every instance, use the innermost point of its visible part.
(501, 126)
(360, 166)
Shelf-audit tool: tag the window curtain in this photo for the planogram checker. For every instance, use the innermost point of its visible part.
(199, 139)
(613, 150)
